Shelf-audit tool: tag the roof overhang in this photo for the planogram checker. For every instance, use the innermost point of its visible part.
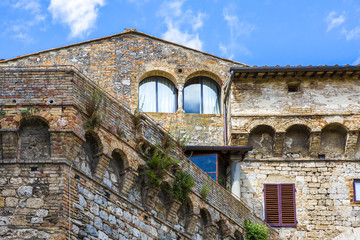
(223, 149)
(309, 71)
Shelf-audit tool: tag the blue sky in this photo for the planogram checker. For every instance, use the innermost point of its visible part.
(261, 32)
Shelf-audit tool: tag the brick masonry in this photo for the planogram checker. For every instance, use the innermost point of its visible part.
(119, 63)
(104, 203)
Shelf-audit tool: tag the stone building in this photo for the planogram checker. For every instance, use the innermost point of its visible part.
(279, 143)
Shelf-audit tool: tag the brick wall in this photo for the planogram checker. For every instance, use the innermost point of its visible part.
(102, 204)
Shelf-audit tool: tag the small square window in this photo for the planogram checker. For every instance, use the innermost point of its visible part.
(357, 190)
(293, 87)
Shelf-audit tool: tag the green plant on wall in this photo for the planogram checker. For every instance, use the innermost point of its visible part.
(205, 189)
(2, 113)
(28, 112)
(92, 110)
(182, 185)
(157, 166)
(255, 231)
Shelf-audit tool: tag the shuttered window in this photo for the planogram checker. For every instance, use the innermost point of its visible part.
(280, 208)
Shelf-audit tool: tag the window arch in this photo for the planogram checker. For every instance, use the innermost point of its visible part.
(157, 94)
(202, 95)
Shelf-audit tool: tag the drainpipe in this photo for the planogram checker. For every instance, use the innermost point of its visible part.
(70, 202)
(225, 112)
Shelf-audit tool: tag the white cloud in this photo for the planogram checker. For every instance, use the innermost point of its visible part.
(334, 21)
(79, 15)
(33, 6)
(237, 30)
(357, 61)
(31, 16)
(352, 34)
(182, 26)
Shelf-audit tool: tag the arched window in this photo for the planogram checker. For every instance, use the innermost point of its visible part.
(157, 94)
(202, 95)
(92, 150)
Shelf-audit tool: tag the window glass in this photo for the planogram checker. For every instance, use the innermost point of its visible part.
(157, 94)
(210, 97)
(207, 163)
(357, 190)
(201, 95)
(147, 95)
(166, 96)
(192, 96)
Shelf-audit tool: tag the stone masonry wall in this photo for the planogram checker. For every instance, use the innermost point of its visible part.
(103, 204)
(324, 194)
(119, 63)
(31, 203)
(309, 138)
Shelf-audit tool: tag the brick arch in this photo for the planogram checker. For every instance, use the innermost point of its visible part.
(204, 73)
(123, 157)
(157, 73)
(205, 217)
(224, 228)
(238, 235)
(131, 160)
(254, 124)
(93, 148)
(284, 126)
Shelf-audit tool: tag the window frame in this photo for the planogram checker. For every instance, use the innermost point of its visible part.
(156, 80)
(201, 78)
(279, 205)
(354, 188)
(217, 163)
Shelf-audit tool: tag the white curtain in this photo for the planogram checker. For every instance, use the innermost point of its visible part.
(147, 95)
(210, 97)
(166, 96)
(192, 97)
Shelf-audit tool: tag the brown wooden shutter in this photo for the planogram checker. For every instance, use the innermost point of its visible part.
(288, 204)
(272, 215)
(280, 204)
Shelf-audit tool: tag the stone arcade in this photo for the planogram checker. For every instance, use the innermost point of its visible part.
(289, 133)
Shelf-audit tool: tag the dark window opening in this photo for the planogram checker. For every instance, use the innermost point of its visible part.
(293, 87)
(280, 208)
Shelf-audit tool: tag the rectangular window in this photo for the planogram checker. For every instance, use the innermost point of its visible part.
(280, 208)
(207, 163)
(213, 165)
(357, 190)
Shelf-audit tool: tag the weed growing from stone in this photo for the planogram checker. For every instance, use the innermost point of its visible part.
(2, 113)
(205, 189)
(157, 166)
(28, 112)
(255, 231)
(182, 185)
(92, 110)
